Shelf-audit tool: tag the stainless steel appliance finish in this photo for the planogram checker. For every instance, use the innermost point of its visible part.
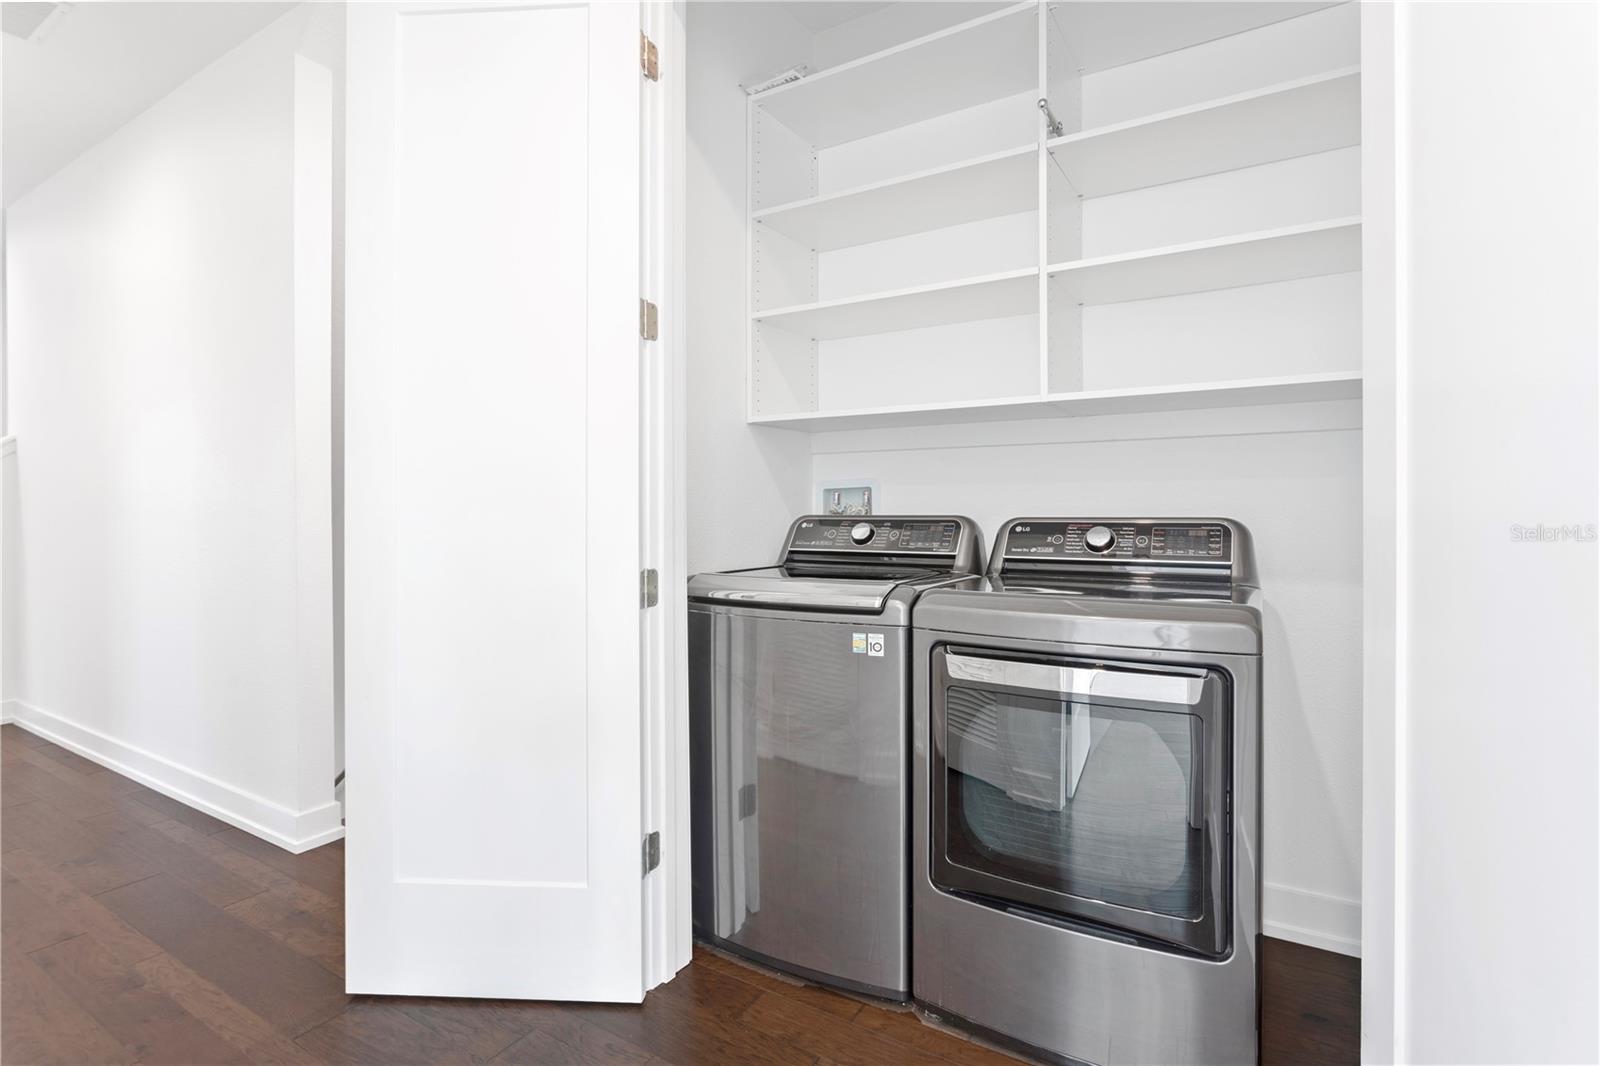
(1086, 793)
(799, 719)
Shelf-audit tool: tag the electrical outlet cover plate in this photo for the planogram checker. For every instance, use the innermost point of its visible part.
(848, 499)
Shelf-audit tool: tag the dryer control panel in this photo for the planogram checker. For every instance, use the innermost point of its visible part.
(1117, 540)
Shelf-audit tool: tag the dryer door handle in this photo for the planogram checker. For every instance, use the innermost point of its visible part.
(1088, 682)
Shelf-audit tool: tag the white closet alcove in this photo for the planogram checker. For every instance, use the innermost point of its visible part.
(1048, 208)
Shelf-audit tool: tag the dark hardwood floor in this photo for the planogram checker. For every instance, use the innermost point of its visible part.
(136, 929)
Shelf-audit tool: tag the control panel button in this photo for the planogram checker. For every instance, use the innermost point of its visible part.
(1099, 539)
(862, 532)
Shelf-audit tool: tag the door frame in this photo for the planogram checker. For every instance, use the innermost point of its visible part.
(664, 701)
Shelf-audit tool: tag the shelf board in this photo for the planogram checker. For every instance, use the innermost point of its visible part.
(1003, 295)
(965, 65)
(1101, 34)
(1307, 251)
(1295, 118)
(1220, 394)
(1004, 183)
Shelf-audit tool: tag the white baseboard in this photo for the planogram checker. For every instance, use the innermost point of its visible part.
(1315, 919)
(291, 830)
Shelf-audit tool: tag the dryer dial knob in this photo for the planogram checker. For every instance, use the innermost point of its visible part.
(1099, 539)
(862, 532)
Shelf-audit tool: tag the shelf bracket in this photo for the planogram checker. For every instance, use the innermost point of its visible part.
(1052, 124)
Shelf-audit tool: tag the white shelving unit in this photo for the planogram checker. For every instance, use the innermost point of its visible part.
(914, 218)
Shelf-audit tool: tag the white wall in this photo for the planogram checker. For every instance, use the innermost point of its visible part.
(1491, 870)
(1292, 475)
(172, 536)
(745, 483)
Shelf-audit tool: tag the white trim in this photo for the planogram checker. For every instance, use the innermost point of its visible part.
(1385, 138)
(294, 831)
(1315, 919)
(663, 144)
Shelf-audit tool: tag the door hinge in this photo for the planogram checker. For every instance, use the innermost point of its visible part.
(747, 800)
(652, 851)
(649, 588)
(648, 328)
(649, 59)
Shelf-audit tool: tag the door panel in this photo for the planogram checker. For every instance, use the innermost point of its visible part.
(493, 649)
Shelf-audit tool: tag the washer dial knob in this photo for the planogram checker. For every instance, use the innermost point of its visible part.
(862, 532)
(1099, 539)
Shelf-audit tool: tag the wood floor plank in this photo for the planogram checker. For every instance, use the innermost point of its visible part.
(221, 1013)
(11, 733)
(44, 831)
(120, 821)
(321, 868)
(149, 1023)
(822, 1034)
(70, 759)
(767, 981)
(91, 857)
(209, 880)
(13, 792)
(374, 1030)
(694, 1019)
(67, 766)
(29, 921)
(43, 1025)
(906, 1029)
(125, 943)
(289, 990)
(253, 871)
(182, 812)
(563, 1039)
(477, 1022)
(71, 797)
(280, 912)
(1310, 1005)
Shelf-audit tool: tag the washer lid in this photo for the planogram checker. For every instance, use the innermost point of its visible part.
(788, 588)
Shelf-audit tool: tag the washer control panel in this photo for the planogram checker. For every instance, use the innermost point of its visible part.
(1119, 541)
(933, 536)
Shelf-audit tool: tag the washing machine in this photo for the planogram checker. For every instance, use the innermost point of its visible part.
(1087, 793)
(800, 709)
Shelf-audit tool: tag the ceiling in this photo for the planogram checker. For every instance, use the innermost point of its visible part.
(90, 67)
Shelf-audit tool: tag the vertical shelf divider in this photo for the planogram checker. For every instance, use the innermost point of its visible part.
(1044, 202)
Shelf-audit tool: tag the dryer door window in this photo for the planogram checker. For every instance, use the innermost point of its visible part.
(1088, 791)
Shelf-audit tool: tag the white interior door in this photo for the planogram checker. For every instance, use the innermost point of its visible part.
(493, 501)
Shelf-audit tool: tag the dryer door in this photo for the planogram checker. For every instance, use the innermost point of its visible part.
(1088, 791)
